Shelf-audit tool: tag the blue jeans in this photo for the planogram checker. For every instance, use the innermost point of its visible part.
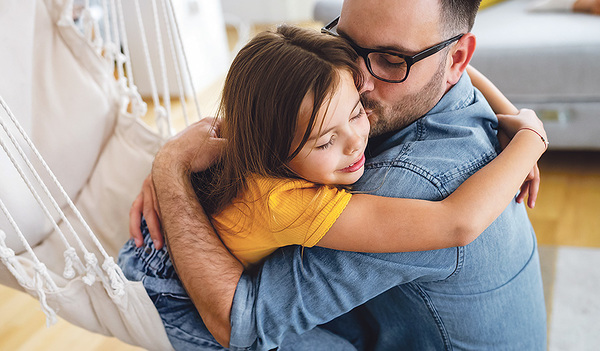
(183, 324)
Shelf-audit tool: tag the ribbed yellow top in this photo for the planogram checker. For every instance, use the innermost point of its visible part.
(273, 213)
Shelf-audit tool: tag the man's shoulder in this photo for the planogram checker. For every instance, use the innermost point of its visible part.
(439, 150)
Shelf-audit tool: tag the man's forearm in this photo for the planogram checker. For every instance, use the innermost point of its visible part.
(206, 268)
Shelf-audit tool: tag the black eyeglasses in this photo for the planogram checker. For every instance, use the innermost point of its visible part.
(389, 66)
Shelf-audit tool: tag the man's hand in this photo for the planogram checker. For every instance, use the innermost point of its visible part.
(198, 146)
(207, 270)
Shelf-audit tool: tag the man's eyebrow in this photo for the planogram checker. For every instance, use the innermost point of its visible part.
(386, 48)
(314, 137)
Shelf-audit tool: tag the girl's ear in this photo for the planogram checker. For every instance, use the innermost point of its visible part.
(460, 56)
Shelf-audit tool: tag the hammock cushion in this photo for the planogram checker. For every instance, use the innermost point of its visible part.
(72, 104)
(77, 118)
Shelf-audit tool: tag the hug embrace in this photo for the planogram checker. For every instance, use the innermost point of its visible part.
(352, 194)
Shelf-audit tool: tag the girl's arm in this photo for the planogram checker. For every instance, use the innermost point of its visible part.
(501, 105)
(381, 224)
(497, 100)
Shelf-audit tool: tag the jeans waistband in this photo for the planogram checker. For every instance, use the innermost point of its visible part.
(154, 263)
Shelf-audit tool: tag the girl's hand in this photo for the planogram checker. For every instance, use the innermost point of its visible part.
(511, 124)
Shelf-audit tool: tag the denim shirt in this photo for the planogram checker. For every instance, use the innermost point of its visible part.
(486, 295)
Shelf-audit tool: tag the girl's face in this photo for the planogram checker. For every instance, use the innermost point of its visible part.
(335, 153)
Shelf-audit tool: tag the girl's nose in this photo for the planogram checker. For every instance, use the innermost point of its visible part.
(354, 143)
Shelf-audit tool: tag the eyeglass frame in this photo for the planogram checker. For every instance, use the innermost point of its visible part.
(410, 60)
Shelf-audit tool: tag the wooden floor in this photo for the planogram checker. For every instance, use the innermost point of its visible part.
(568, 207)
(567, 213)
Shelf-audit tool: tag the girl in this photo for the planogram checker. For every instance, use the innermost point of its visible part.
(296, 136)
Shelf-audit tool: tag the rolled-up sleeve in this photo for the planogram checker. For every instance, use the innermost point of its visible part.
(296, 291)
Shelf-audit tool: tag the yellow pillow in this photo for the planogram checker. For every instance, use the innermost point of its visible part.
(488, 3)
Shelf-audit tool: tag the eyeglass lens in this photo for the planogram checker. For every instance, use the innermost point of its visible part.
(387, 66)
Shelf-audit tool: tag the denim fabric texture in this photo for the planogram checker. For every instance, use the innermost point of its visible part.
(484, 296)
(183, 324)
(487, 295)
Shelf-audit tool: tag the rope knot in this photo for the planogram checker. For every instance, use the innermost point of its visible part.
(91, 262)
(116, 280)
(70, 257)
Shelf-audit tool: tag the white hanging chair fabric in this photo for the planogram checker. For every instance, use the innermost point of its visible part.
(60, 77)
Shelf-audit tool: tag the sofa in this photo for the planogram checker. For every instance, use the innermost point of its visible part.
(545, 60)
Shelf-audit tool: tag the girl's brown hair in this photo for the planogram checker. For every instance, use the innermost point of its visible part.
(260, 105)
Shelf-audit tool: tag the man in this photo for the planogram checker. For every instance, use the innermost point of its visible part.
(431, 130)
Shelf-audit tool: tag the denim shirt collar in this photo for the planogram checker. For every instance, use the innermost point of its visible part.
(458, 97)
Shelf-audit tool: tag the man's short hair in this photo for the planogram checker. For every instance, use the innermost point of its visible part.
(458, 16)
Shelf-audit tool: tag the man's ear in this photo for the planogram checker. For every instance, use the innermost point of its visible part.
(460, 56)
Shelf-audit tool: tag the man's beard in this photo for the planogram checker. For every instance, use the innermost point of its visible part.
(408, 109)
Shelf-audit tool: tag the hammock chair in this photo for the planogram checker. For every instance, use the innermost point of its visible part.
(75, 132)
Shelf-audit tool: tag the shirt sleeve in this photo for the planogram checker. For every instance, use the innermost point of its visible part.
(301, 213)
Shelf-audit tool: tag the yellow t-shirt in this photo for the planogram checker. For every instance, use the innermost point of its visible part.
(278, 212)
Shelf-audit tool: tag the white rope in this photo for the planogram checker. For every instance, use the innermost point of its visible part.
(163, 67)
(91, 261)
(72, 261)
(41, 279)
(87, 255)
(116, 276)
(158, 114)
(7, 256)
(175, 58)
(185, 59)
(28, 183)
(39, 180)
(138, 106)
(50, 173)
(21, 238)
(123, 40)
(113, 48)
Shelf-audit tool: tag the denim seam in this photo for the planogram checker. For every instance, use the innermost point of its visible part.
(421, 172)
(460, 259)
(435, 315)
(468, 168)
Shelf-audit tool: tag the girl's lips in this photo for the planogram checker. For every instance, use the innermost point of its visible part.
(355, 166)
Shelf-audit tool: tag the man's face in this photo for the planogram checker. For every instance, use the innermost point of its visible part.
(406, 27)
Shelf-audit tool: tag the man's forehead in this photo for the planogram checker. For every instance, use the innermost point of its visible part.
(397, 25)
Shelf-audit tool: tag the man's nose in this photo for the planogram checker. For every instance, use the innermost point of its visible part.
(368, 79)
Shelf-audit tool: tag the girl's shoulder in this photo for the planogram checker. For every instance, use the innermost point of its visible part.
(272, 184)
(276, 190)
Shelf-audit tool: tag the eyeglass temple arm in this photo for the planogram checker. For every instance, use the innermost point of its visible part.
(432, 50)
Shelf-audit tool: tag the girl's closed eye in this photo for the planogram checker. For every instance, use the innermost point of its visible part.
(327, 144)
(361, 113)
